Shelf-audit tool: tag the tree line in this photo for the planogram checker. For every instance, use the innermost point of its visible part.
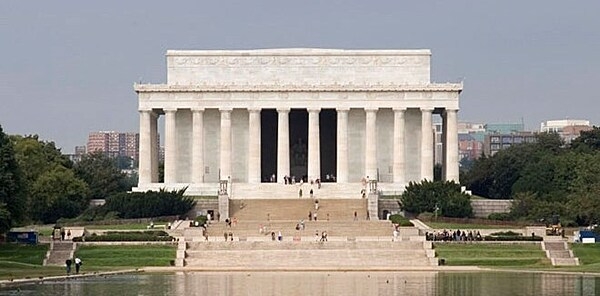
(38, 184)
(545, 179)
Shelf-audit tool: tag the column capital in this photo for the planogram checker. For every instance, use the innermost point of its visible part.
(144, 110)
(450, 110)
(283, 110)
(313, 109)
(198, 109)
(399, 109)
(371, 109)
(426, 109)
(254, 109)
(225, 109)
(342, 109)
(169, 110)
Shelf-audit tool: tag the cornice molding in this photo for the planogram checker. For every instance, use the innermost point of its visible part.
(231, 88)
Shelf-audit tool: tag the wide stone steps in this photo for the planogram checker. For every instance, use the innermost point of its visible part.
(282, 191)
(297, 209)
(288, 228)
(307, 259)
(306, 245)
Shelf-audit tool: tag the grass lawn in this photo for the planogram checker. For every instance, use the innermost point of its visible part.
(22, 261)
(454, 226)
(492, 255)
(126, 256)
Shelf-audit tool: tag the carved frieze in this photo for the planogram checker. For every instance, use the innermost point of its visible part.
(392, 60)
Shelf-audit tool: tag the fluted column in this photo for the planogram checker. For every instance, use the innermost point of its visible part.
(225, 153)
(254, 145)
(399, 157)
(314, 144)
(198, 145)
(371, 143)
(342, 145)
(145, 150)
(170, 146)
(426, 144)
(283, 144)
(451, 145)
(154, 146)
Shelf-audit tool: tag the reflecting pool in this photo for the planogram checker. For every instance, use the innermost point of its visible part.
(319, 283)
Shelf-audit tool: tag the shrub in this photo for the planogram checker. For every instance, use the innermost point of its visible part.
(400, 220)
(201, 219)
(443, 198)
(133, 236)
(499, 216)
(505, 233)
(513, 238)
(148, 204)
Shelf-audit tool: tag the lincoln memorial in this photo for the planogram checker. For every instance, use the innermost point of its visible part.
(258, 119)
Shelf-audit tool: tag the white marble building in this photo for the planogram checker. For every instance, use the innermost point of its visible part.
(244, 115)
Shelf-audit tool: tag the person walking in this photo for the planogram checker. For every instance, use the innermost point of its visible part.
(68, 264)
(78, 264)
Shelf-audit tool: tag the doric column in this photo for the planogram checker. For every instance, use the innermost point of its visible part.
(314, 144)
(145, 150)
(170, 145)
(225, 154)
(254, 145)
(198, 145)
(283, 143)
(371, 144)
(451, 145)
(154, 146)
(398, 163)
(342, 145)
(426, 144)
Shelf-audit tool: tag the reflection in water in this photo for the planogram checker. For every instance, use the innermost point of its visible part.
(320, 283)
(305, 283)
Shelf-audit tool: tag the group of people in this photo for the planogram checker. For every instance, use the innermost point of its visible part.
(64, 233)
(456, 235)
(69, 262)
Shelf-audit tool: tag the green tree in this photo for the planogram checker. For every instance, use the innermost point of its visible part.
(11, 183)
(102, 175)
(36, 157)
(428, 196)
(5, 219)
(58, 194)
(587, 141)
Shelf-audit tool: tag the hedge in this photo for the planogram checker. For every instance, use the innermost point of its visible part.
(132, 236)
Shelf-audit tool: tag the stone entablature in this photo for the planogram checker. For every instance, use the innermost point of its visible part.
(290, 66)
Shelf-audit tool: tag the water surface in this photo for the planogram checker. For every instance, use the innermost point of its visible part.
(320, 283)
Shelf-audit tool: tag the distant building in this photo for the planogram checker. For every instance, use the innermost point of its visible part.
(567, 129)
(496, 142)
(469, 147)
(114, 144)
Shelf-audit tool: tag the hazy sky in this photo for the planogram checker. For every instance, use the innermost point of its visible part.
(68, 67)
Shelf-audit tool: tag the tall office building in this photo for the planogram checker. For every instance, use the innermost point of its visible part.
(114, 144)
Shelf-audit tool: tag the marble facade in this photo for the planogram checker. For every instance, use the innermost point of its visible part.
(215, 102)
